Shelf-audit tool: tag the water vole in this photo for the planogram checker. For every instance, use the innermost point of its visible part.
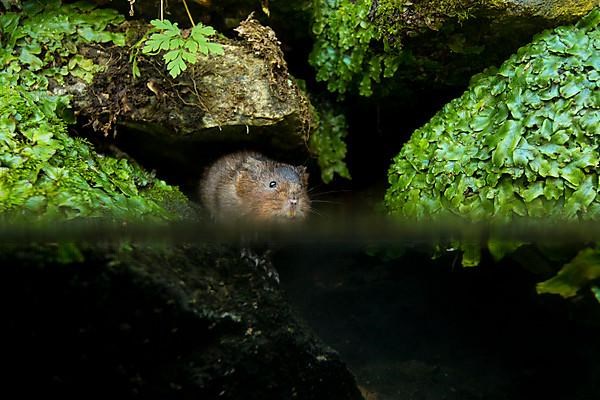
(248, 185)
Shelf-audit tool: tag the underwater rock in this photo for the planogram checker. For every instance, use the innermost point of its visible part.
(521, 141)
(156, 322)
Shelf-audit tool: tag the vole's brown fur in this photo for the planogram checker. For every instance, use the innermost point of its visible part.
(248, 185)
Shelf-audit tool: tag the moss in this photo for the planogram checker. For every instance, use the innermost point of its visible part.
(394, 19)
(429, 42)
(341, 52)
(40, 43)
(360, 42)
(521, 141)
(44, 172)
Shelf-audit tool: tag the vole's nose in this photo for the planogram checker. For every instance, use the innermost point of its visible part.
(293, 201)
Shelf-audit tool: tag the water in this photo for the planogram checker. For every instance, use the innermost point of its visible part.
(416, 328)
(408, 326)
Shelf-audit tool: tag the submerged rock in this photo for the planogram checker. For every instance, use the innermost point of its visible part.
(157, 322)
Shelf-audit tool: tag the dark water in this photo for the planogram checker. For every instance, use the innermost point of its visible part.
(416, 328)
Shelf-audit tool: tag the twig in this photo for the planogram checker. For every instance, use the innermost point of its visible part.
(188, 12)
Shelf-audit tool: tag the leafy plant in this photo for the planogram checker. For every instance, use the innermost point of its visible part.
(44, 172)
(179, 47)
(522, 141)
(327, 141)
(575, 275)
(342, 51)
(41, 42)
(360, 42)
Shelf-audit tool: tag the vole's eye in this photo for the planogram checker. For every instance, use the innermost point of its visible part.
(272, 184)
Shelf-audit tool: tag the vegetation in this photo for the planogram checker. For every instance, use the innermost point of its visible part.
(358, 43)
(179, 47)
(327, 141)
(341, 53)
(44, 172)
(522, 141)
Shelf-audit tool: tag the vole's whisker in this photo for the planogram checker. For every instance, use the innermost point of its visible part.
(313, 211)
(325, 201)
(330, 192)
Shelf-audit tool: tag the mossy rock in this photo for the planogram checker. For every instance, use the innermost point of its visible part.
(45, 172)
(427, 44)
(521, 141)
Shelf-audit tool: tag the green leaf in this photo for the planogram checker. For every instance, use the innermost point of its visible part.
(176, 43)
(165, 24)
(554, 189)
(581, 198)
(572, 174)
(201, 31)
(172, 55)
(501, 248)
(509, 135)
(596, 292)
(575, 275)
(533, 191)
(215, 48)
(34, 62)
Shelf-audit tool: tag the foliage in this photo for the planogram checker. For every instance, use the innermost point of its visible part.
(40, 43)
(341, 52)
(43, 171)
(327, 141)
(522, 141)
(359, 42)
(577, 274)
(179, 47)
(425, 43)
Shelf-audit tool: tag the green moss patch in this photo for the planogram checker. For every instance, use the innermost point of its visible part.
(44, 172)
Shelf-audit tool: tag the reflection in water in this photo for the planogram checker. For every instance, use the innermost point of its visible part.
(407, 325)
(417, 328)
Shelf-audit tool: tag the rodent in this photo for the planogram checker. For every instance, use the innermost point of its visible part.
(247, 185)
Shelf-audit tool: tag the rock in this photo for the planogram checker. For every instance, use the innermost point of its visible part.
(425, 45)
(244, 95)
(175, 322)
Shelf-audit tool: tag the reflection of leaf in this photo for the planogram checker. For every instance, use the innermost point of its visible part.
(576, 274)
(596, 291)
(471, 254)
(500, 248)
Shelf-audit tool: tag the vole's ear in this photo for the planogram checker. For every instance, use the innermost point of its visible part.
(251, 164)
(301, 170)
